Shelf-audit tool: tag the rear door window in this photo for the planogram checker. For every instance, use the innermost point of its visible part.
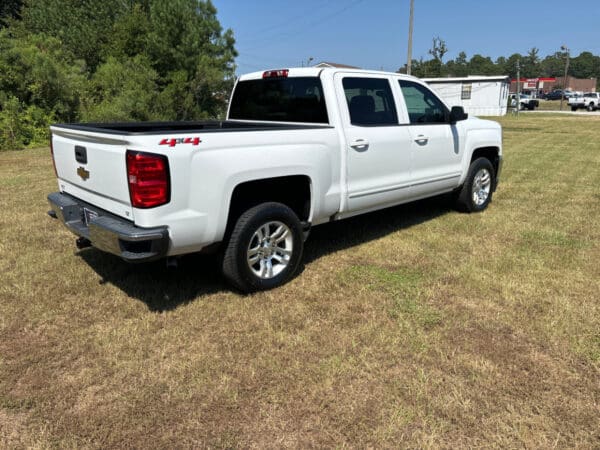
(370, 101)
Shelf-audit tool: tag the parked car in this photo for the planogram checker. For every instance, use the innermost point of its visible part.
(525, 102)
(300, 147)
(557, 94)
(589, 101)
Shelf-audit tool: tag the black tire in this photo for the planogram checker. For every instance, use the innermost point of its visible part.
(573, 108)
(236, 265)
(531, 106)
(464, 197)
(590, 107)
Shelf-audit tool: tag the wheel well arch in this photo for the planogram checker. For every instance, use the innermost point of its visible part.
(293, 191)
(491, 153)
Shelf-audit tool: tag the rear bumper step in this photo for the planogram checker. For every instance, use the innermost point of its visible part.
(108, 232)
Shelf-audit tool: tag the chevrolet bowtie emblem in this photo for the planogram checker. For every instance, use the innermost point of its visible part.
(84, 174)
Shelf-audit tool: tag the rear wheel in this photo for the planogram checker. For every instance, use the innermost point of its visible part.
(265, 248)
(476, 192)
(573, 108)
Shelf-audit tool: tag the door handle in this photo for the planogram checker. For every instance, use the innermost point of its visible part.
(359, 144)
(422, 140)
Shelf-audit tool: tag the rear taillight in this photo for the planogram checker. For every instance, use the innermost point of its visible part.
(52, 154)
(148, 177)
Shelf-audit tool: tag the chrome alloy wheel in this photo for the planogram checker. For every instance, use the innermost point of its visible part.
(270, 249)
(482, 184)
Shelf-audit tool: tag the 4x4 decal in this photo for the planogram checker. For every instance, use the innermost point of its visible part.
(176, 141)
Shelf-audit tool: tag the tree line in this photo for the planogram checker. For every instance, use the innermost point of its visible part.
(109, 60)
(532, 65)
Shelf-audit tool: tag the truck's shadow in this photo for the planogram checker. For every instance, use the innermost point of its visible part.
(163, 289)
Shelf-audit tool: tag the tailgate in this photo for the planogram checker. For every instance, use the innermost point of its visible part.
(91, 166)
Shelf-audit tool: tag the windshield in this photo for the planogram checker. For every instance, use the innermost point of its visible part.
(297, 99)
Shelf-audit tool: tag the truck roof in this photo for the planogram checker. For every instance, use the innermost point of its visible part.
(316, 71)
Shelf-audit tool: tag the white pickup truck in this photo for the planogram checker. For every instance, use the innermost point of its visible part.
(300, 147)
(589, 101)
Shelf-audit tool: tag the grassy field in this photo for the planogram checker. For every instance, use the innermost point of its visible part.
(414, 327)
(554, 105)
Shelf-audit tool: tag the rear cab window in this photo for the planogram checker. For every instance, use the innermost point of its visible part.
(294, 99)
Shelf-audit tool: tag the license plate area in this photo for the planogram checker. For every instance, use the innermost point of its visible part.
(88, 215)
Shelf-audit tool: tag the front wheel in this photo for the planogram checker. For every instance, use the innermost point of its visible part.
(590, 107)
(476, 192)
(265, 248)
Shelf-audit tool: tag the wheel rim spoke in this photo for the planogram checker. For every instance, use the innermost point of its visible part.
(283, 251)
(482, 183)
(270, 249)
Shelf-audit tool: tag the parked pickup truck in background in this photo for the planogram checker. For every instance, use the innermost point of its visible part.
(300, 147)
(525, 102)
(587, 101)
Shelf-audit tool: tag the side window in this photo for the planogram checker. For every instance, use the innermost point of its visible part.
(466, 91)
(370, 101)
(423, 106)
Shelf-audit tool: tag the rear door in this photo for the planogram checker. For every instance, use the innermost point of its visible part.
(377, 147)
(436, 145)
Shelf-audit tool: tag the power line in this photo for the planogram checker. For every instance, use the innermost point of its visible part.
(258, 34)
(278, 38)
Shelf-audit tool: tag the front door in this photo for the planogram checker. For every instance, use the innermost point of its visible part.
(436, 145)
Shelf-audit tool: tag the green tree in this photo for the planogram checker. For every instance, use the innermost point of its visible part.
(501, 65)
(9, 9)
(586, 65)
(438, 49)
(83, 26)
(531, 64)
(553, 65)
(193, 57)
(122, 91)
(22, 125)
(459, 67)
(510, 66)
(129, 35)
(39, 72)
(482, 65)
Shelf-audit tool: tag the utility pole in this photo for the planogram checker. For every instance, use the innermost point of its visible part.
(410, 35)
(565, 49)
(518, 96)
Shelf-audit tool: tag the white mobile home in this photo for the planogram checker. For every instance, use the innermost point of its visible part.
(478, 95)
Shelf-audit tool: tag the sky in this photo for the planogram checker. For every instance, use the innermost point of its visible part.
(373, 34)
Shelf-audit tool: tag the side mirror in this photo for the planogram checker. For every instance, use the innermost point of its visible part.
(457, 113)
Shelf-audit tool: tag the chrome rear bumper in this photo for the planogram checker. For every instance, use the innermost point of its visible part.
(108, 232)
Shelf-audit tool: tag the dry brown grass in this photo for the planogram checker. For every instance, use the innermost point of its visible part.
(415, 327)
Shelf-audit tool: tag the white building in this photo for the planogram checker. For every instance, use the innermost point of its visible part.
(478, 95)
